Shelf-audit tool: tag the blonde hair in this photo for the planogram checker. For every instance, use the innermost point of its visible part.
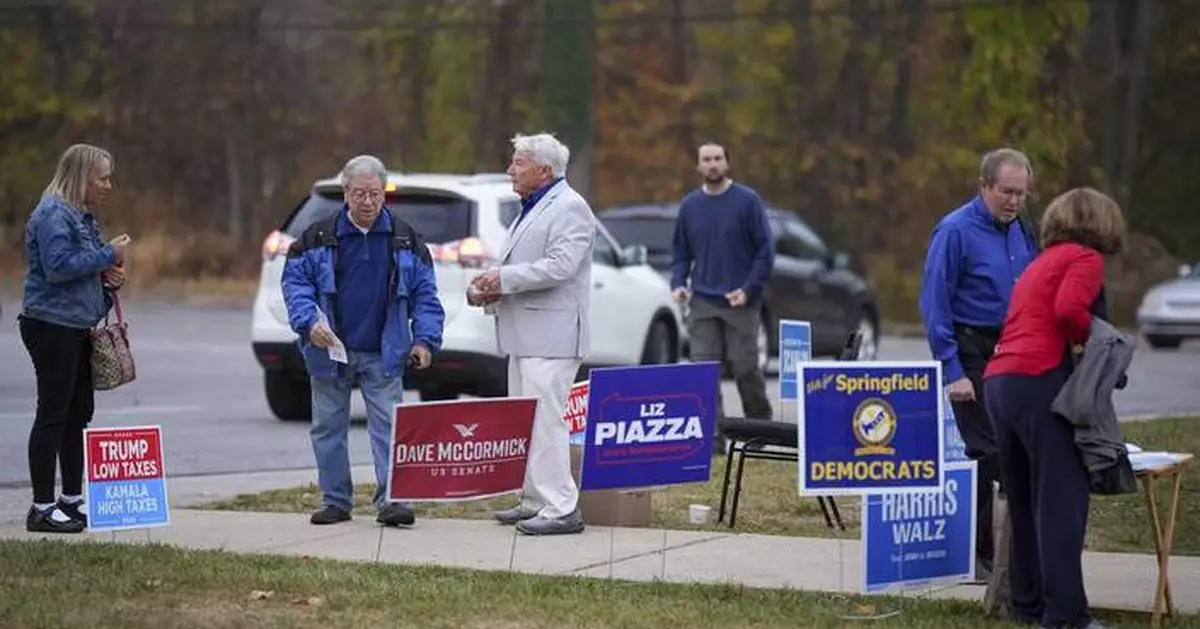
(74, 167)
(1085, 216)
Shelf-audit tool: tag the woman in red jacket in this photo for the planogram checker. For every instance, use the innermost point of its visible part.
(1044, 477)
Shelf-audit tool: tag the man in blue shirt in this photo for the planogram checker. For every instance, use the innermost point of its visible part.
(975, 256)
(723, 246)
(361, 293)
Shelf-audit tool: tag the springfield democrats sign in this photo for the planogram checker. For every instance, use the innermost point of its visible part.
(869, 428)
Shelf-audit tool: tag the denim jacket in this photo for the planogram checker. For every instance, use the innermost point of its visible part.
(65, 255)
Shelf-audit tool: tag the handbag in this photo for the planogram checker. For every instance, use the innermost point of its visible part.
(112, 359)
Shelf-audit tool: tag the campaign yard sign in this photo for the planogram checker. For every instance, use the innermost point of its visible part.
(650, 426)
(795, 346)
(919, 539)
(956, 448)
(459, 449)
(125, 481)
(576, 412)
(869, 427)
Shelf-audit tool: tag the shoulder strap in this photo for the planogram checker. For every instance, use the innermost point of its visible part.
(1030, 239)
(404, 236)
(320, 234)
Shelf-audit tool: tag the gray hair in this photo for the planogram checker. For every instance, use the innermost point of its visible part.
(545, 150)
(363, 165)
(74, 167)
(989, 167)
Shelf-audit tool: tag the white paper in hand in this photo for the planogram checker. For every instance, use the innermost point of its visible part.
(337, 352)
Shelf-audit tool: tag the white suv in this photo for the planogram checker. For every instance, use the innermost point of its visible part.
(464, 219)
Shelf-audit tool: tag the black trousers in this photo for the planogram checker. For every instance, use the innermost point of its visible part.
(730, 336)
(975, 349)
(1048, 496)
(65, 402)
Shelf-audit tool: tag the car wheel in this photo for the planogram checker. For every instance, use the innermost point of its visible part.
(868, 334)
(289, 398)
(435, 394)
(1158, 341)
(659, 344)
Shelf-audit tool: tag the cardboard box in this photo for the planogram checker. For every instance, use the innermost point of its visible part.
(610, 507)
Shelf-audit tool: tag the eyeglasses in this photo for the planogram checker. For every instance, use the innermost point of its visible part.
(365, 195)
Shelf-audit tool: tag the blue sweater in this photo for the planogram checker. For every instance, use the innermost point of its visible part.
(362, 279)
(722, 243)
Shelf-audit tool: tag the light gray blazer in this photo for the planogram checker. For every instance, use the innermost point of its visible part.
(546, 279)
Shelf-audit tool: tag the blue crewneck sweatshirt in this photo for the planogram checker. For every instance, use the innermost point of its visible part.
(722, 243)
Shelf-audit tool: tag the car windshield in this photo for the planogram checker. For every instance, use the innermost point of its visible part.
(437, 218)
(655, 232)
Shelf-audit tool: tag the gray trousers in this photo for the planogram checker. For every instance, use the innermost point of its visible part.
(730, 336)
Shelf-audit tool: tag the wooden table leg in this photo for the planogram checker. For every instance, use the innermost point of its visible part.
(1163, 540)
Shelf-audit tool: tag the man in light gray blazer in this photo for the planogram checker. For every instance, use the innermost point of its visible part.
(541, 295)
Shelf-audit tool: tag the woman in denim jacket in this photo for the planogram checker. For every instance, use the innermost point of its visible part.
(70, 270)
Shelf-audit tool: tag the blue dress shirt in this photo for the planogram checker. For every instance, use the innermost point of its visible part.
(970, 269)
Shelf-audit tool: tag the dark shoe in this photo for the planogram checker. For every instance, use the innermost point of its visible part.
(330, 514)
(514, 515)
(566, 525)
(71, 510)
(40, 522)
(396, 515)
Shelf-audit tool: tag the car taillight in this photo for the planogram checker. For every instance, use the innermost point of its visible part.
(276, 244)
(469, 252)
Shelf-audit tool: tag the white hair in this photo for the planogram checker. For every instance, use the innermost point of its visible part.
(545, 150)
(363, 165)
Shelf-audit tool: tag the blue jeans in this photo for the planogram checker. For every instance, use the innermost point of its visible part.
(331, 426)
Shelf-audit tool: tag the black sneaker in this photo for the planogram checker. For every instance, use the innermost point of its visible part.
(71, 510)
(329, 514)
(396, 515)
(39, 521)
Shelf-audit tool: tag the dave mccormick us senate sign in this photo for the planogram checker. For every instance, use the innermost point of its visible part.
(869, 427)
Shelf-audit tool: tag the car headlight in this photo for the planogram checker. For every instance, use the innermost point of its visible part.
(1152, 302)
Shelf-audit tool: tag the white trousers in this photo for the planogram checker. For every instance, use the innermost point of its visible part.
(549, 487)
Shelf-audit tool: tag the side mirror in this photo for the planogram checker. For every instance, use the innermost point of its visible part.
(835, 260)
(634, 255)
(1185, 270)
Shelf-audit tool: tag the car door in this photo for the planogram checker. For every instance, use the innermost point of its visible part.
(795, 289)
(615, 338)
(831, 291)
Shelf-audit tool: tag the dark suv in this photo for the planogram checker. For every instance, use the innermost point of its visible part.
(809, 282)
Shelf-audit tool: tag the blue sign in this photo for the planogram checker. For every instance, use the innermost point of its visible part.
(650, 426)
(912, 539)
(956, 448)
(795, 346)
(869, 427)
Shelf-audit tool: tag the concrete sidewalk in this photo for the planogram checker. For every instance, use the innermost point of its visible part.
(1113, 580)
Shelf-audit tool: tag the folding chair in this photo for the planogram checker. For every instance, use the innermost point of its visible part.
(772, 441)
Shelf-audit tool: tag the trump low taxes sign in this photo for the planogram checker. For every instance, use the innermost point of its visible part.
(125, 484)
(869, 427)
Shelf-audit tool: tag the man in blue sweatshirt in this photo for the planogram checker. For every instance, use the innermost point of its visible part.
(361, 293)
(723, 246)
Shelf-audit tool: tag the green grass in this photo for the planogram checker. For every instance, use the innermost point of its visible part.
(59, 584)
(769, 503)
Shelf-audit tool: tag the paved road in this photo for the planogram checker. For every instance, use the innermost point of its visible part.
(198, 379)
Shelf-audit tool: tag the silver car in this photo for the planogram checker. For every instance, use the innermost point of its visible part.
(1170, 312)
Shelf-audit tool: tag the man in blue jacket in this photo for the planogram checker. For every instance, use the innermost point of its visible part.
(361, 293)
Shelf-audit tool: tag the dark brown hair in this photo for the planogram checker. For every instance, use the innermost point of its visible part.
(1085, 216)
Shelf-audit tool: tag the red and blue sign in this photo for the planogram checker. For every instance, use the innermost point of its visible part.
(869, 427)
(125, 481)
(650, 426)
